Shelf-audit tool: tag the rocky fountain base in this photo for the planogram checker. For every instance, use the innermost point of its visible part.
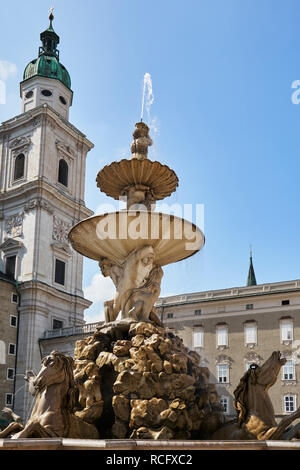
(151, 385)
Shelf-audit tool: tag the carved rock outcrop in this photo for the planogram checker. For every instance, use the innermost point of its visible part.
(138, 380)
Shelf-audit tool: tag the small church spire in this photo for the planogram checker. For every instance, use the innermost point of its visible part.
(251, 274)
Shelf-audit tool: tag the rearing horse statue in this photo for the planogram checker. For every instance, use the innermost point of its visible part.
(256, 417)
(53, 413)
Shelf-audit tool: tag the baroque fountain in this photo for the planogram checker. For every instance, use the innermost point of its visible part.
(133, 378)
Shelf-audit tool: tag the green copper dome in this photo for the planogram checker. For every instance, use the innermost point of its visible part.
(47, 64)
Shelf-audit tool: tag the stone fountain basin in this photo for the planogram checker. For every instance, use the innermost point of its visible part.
(113, 178)
(116, 234)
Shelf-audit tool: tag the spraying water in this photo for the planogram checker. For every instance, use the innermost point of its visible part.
(148, 97)
(147, 101)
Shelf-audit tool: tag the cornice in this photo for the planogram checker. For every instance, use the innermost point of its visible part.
(35, 191)
(229, 295)
(44, 110)
(51, 290)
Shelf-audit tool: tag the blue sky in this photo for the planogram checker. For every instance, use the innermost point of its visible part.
(222, 72)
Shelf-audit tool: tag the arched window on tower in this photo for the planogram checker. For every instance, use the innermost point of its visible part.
(19, 167)
(63, 171)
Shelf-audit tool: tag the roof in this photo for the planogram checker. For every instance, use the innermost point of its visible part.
(47, 66)
(47, 63)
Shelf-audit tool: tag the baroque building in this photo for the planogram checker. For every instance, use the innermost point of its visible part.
(233, 328)
(42, 184)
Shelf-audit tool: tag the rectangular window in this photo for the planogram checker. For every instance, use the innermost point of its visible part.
(225, 403)
(249, 306)
(60, 269)
(13, 321)
(198, 337)
(222, 336)
(289, 403)
(10, 268)
(285, 302)
(288, 371)
(10, 374)
(197, 312)
(286, 328)
(12, 349)
(170, 315)
(14, 298)
(223, 373)
(57, 324)
(9, 399)
(250, 330)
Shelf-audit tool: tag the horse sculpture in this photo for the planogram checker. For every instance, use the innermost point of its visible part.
(256, 417)
(53, 413)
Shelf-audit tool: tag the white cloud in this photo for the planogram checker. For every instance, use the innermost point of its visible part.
(7, 69)
(100, 289)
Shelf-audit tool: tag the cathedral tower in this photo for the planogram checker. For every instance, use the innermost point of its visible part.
(42, 182)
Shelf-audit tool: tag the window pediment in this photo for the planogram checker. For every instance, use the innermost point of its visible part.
(11, 245)
(19, 143)
(61, 249)
(253, 357)
(224, 359)
(65, 151)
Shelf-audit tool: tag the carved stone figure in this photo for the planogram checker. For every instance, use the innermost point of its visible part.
(53, 415)
(141, 142)
(256, 417)
(137, 284)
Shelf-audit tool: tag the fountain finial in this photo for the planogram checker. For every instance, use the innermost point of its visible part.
(141, 142)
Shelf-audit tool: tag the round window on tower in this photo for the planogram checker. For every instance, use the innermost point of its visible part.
(46, 93)
(62, 99)
(29, 94)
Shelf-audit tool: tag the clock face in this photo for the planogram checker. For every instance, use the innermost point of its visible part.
(60, 230)
(14, 227)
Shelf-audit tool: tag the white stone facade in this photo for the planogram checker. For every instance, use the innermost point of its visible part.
(37, 91)
(36, 213)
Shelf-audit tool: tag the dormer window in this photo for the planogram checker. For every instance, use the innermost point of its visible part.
(63, 171)
(19, 167)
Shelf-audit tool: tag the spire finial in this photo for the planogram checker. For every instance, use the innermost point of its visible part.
(250, 248)
(51, 16)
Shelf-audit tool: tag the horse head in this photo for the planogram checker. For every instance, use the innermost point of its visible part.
(259, 377)
(57, 369)
(267, 374)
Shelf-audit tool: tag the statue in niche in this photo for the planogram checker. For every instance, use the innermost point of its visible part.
(137, 284)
